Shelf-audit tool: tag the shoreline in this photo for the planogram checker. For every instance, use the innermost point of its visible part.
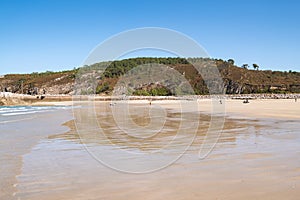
(35, 131)
(7, 99)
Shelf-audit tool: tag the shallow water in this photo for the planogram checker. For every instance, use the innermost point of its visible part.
(253, 159)
(21, 129)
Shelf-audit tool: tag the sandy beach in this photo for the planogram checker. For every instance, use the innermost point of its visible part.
(255, 157)
(257, 108)
(149, 100)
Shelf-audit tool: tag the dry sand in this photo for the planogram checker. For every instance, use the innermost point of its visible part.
(269, 108)
(257, 108)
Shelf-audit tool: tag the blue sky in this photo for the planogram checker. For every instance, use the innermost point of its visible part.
(59, 34)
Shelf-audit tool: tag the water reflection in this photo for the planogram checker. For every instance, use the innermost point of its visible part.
(139, 115)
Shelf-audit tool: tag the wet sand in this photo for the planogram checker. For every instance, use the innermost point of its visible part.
(253, 159)
(18, 137)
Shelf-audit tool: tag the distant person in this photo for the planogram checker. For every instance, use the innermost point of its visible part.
(112, 104)
(246, 101)
(295, 99)
(35, 91)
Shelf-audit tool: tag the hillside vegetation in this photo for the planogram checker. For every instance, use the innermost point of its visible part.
(98, 79)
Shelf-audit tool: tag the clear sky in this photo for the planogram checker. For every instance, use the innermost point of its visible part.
(59, 34)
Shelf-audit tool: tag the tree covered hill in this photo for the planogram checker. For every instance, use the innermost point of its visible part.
(236, 80)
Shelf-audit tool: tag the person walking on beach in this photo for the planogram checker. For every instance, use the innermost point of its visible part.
(295, 99)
